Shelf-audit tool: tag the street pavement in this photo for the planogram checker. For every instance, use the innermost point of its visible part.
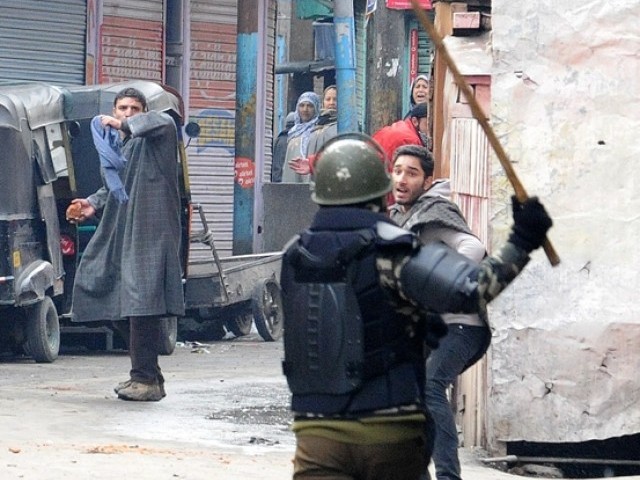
(225, 417)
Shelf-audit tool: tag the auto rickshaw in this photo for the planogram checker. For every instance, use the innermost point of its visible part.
(33, 157)
(47, 159)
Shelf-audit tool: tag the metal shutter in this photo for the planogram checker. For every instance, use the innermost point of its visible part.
(212, 105)
(425, 52)
(360, 22)
(132, 41)
(43, 40)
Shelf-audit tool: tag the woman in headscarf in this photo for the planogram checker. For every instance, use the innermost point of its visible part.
(330, 98)
(419, 92)
(305, 118)
(327, 125)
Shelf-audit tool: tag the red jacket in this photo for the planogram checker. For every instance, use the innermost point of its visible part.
(391, 137)
(395, 135)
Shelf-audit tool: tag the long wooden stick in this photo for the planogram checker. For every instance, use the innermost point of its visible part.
(479, 115)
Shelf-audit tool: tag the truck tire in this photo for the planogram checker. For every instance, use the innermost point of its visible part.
(240, 323)
(267, 309)
(43, 331)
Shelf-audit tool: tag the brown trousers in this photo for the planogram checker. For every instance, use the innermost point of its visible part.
(318, 457)
(144, 342)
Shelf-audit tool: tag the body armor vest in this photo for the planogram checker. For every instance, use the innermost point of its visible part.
(347, 348)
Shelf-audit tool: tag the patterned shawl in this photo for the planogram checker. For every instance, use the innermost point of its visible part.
(304, 129)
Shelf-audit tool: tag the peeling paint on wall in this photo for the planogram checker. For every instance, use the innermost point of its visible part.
(392, 67)
(566, 107)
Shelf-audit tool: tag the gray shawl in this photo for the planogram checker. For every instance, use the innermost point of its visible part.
(131, 267)
(433, 210)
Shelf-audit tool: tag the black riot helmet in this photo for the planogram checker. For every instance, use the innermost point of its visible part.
(350, 169)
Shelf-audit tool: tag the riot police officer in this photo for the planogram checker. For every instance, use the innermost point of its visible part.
(359, 294)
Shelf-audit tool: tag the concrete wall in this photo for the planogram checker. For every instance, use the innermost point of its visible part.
(288, 210)
(566, 105)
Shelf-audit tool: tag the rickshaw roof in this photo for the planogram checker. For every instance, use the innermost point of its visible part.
(91, 100)
(38, 103)
(42, 104)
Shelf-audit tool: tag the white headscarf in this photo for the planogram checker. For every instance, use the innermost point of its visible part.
(304, 129)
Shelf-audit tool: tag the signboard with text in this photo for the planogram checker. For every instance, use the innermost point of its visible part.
(413, 55)
(244, 172)
(407, 5)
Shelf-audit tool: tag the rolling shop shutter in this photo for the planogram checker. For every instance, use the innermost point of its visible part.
(212, 103)
(425, 48)
(270, 89)
(425, 52)
(132, 41)
(43, 40)
(361, 63)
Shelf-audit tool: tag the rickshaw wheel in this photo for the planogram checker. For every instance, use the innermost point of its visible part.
(240, 324)
(43, 331)
(168, 335)
(267, 310)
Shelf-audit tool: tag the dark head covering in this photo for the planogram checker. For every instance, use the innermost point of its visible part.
(419, 111)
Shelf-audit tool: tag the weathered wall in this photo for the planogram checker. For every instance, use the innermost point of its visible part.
(566, 105)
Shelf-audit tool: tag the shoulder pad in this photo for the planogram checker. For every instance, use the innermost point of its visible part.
(387, 231)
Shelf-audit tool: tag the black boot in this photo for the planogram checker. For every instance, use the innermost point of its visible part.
(147, 382)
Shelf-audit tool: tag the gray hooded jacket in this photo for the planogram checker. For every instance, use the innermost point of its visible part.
(435, 218)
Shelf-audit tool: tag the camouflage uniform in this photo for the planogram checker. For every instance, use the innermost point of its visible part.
(495, 273)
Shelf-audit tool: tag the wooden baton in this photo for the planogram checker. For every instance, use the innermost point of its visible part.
(478, 114)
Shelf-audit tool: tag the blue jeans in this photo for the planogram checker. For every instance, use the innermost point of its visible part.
(460, 348)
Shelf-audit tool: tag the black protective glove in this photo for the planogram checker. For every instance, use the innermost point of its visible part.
(530, 223)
